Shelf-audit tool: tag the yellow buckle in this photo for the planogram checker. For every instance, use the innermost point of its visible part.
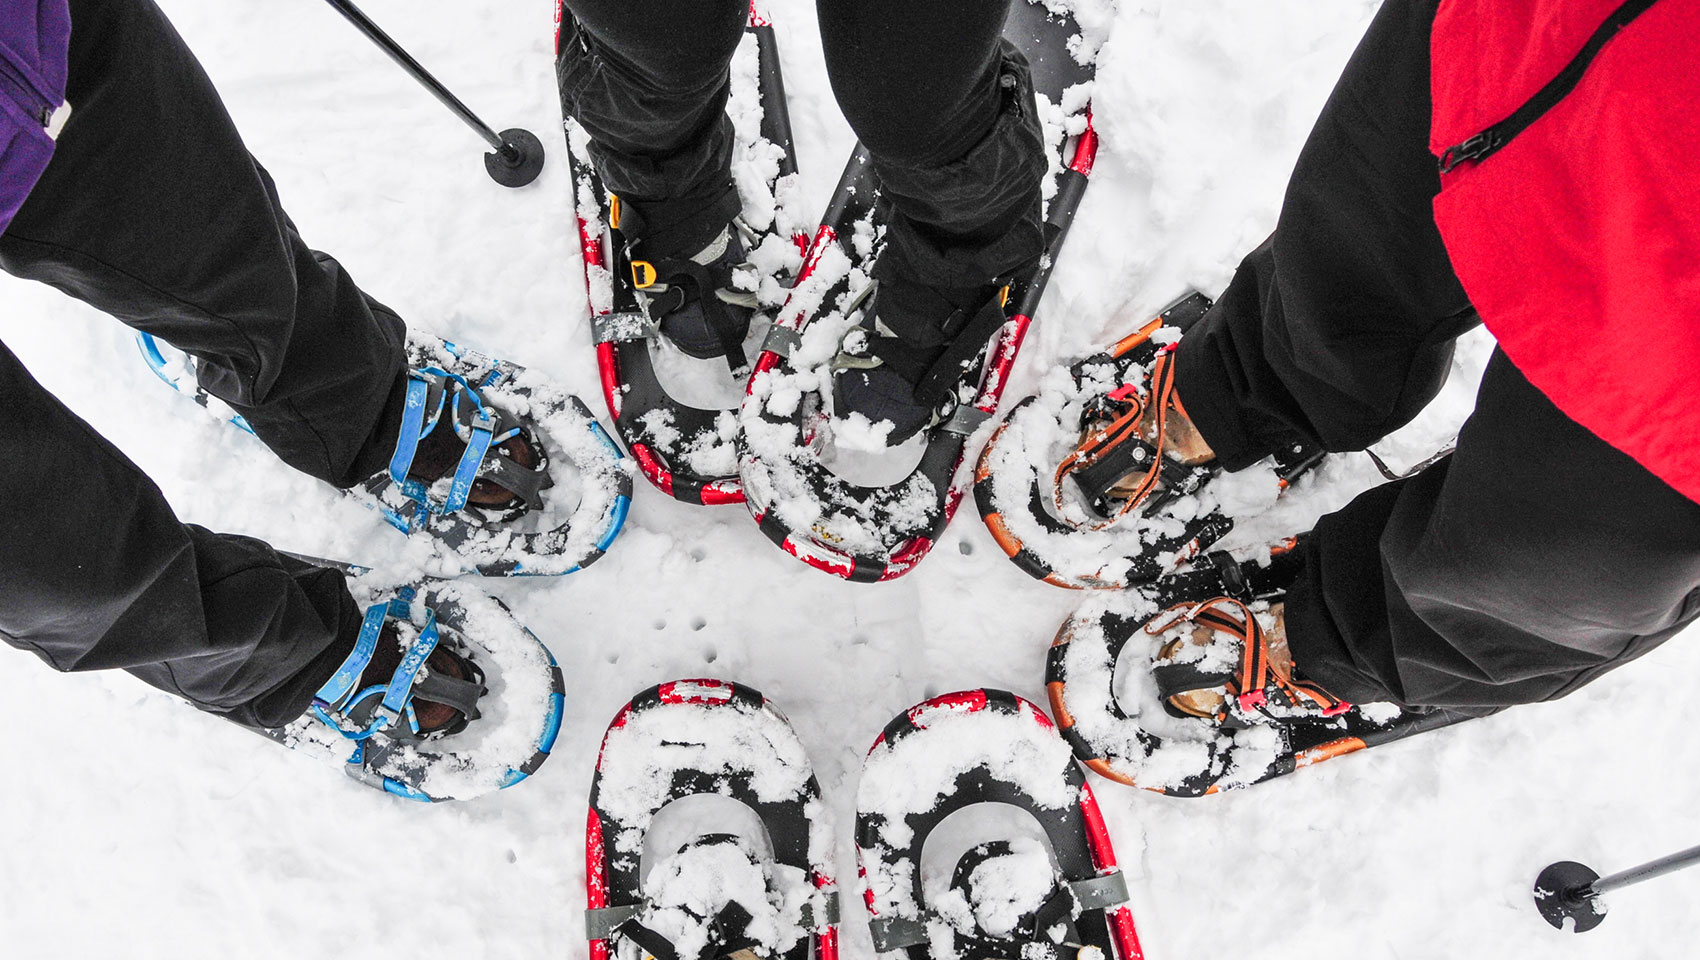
(1003, 296)
(614, 211)
(643, 274)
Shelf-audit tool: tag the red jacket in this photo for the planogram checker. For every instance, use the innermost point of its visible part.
(1579, 239)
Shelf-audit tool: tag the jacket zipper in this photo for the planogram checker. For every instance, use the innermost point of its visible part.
(25, 93)
(1490, 141)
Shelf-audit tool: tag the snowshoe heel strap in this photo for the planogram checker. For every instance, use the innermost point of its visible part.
(895, 933)
(728, 936)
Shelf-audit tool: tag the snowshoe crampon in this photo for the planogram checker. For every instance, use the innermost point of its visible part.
(509, 696)
(681, 442)
(937, 887)
(1087, 523)
(682, 766)
(1107, 701)
(572, 500)
(795, 482)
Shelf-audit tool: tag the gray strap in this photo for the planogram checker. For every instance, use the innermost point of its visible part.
(966, 420)
(599, 923)
(829, 913)
(1100, 893)
(895, 933)
(621, 327)
(450, 691)
(527, 483)
(781, 340)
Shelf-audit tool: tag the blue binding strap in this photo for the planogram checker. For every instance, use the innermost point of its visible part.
(483, 427)
(337, 688)
(399, 696)
(412, 426)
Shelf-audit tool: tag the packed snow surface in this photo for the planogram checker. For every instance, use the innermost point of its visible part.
(132, 826)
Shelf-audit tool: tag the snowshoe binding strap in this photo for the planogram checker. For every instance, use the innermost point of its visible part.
(359, 713)
(1255, 686)
(934, 359)
(437, 399)
(1112, 455)
(667, 283)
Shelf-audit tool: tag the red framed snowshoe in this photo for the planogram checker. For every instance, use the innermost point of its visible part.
(936, 887)
(773, 892)
(685, 449)
(873, 532)
(1081, 528)
(1120, 728)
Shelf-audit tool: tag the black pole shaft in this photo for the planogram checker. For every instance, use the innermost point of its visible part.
(1645, 871)
(377, 35)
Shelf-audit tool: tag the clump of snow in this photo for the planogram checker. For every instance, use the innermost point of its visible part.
(686, 891)
(1001, 890)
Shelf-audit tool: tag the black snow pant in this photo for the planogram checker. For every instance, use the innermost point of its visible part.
(1530, 561)
(153, 211)
(943, 106)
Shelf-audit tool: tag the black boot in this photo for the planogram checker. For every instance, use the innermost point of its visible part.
(690, 266)
(902, 363)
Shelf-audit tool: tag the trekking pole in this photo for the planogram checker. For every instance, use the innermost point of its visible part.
(518, 156)
(1569, 889)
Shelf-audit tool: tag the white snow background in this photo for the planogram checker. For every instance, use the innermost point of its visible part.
(132, 826)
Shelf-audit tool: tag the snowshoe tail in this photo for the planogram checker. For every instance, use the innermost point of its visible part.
(870, 533)
(693, 738)
(687, 452)
(1003, 750)
(1090, 545)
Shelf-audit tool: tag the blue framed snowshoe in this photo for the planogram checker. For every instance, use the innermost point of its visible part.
(566, 505)
(461, 655)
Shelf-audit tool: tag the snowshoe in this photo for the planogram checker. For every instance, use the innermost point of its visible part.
(561, 488)
(472, 705)
(806, 489)
(683, 438)
(1051, 891)
(1196, 717)
(680, 764)
(1111, 512)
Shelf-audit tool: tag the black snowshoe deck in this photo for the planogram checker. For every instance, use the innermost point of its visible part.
(873, 533)
(661, 431)
(890, 848)
(1014, 498)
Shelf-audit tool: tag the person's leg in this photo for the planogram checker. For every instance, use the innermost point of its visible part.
(153, 211)
(1532, 560)
(1339, 328)
(648, 80)
(99, 574)
(946, 112)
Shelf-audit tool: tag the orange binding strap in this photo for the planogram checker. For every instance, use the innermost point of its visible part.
(1255, 677)
(1119, 431)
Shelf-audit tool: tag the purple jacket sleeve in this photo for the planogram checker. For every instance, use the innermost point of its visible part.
(34, 38)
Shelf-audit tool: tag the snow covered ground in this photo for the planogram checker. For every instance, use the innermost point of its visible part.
(132, 826)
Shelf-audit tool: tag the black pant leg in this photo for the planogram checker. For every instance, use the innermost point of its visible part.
(945, 109)
(153, 211)
(1532, 560)
(649, 80)
(96, 573)
(1339, 329)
